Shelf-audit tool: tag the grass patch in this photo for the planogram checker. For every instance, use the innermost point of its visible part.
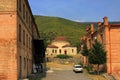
(63, 56)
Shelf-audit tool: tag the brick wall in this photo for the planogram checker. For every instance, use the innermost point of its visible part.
(8, 5)
(8, 47)
(15, 55)
(109, 36)
(115, 48)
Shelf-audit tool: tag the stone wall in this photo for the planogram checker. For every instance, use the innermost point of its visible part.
(66, 61)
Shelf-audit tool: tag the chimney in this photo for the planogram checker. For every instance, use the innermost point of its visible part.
(99, 24)
(87, 28)
(105, 20)
(92, 27)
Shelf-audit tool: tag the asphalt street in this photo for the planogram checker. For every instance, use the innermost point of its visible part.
(65, 75)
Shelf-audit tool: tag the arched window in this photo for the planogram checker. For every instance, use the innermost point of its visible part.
(53, 51)
(60, 51)
(19, 32)
(65, 52)
(72, 50)
(101, 37)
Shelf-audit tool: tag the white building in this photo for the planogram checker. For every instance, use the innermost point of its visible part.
(60, 45)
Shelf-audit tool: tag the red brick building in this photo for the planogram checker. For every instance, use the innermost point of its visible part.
(109, 36)
(17, 32)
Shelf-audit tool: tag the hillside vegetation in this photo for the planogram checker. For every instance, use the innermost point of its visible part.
(50, 27)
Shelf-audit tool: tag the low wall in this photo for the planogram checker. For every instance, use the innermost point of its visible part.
(65, 61)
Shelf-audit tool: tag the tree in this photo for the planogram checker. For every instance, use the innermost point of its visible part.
(85, 52)
(78, 46)
(47, 37)
(97, 55)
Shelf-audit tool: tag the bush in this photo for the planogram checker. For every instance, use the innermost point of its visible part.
(80, 63)
(88, 68)
(63, 56)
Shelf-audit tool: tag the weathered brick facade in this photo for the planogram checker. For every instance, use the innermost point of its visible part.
(108, 35)
(17, 31)
(8, 5)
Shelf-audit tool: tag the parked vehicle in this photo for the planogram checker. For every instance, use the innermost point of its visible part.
(77, 68)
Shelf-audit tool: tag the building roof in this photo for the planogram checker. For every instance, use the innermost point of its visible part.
(66, 46)
(52, 46)
(60, 38)
(114, 25)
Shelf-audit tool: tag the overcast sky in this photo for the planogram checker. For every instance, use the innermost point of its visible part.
(78, 10)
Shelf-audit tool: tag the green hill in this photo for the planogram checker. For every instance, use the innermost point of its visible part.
(50, 27)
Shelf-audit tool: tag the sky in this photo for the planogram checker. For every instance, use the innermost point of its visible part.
(78, 10)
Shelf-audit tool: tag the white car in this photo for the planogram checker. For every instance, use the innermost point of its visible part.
(77, 68)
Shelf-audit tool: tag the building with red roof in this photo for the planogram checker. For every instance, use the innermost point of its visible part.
(60, 45)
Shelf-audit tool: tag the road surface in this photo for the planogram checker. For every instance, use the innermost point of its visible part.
(65, 75)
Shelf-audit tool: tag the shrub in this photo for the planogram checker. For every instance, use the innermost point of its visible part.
(63, 56)
(88, 68)
(80, 63)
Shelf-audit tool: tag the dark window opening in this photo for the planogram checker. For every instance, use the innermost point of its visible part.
(20, 65)
(60, 51)
(24, 37)
(65, 52)
(72, 50)
(19, 5)
(24, 11)
(19, 32)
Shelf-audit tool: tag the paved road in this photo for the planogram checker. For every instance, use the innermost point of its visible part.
(65, 75)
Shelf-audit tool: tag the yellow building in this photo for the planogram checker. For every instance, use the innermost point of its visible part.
(60, 45)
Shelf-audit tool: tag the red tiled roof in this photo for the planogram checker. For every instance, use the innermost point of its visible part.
(66, 46)
(52, 46)
(60, 38)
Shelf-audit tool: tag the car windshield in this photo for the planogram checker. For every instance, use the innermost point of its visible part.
(77, 66)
